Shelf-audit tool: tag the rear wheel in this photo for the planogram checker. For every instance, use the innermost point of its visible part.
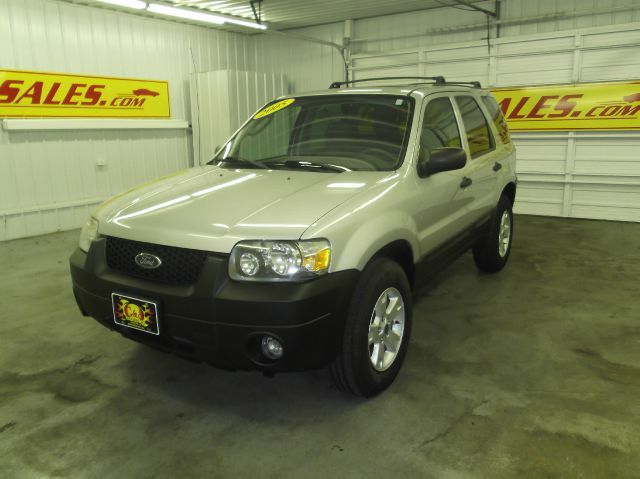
(376, 332)
(492, 253)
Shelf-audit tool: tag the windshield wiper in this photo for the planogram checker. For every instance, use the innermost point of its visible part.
(240, 162)
(308, 165)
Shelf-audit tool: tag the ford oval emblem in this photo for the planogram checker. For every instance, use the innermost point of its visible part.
(148, 261)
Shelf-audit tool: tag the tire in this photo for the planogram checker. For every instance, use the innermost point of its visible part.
(488, 254)
(382, 282)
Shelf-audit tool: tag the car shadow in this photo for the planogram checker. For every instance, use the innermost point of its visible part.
(236, 392)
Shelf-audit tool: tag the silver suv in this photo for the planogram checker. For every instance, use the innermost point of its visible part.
(300, 243)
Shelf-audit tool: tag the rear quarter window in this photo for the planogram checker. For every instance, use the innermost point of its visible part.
(479, 136)
(497, 118)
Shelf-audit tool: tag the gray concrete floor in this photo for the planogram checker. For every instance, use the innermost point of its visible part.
(534, 372)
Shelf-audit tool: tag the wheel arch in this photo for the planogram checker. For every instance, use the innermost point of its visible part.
(401, 252)
(510, 191)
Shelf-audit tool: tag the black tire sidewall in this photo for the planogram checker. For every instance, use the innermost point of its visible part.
(377, 277)
(487, 254)
(503, 205)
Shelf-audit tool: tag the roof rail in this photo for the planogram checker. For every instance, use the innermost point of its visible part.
(474, 84)
(438, 80)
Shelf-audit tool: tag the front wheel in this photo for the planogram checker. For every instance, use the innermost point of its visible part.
(492, 253)
(376, 332)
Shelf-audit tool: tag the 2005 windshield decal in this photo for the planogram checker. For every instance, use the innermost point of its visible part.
(586, 106)
(274, 107)
(42, 95)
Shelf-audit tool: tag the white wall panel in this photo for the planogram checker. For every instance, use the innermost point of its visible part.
(49, 181)
(308, 66)
(576, 14)
(223, 100)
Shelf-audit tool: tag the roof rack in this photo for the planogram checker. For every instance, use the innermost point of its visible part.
(439, 80)
(474, 84)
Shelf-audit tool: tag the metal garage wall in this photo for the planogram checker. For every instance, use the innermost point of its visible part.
(222, 101)
(307, 66)
(49, 181)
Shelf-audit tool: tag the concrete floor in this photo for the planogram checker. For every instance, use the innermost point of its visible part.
(534, 372)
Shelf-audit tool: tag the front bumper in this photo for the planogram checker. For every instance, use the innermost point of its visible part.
(221, 321)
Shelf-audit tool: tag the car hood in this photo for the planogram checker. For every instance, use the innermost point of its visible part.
(211, 208)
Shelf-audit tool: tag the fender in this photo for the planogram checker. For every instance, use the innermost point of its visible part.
(363, 225)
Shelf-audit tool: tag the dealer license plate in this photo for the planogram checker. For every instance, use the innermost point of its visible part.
(136, 313)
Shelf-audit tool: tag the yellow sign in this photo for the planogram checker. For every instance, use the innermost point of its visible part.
(586, 106)
(42, 95)
(274, 107)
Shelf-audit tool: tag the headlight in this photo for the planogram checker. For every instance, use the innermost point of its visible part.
(88, 234)
(279, 260)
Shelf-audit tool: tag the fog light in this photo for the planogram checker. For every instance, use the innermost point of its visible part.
(271, 347)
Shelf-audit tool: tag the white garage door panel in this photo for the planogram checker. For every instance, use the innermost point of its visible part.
(462, 53)
(612, 38)
(535, 46)
(572, 174)
(539, 197)
(611, 56)
(411, 70)
(461, 71)
(541, 158)
(542, 64)
(535, 77)
(605, 213)
(384, 61)
(619, 158)
(606, 202)
(611, 73)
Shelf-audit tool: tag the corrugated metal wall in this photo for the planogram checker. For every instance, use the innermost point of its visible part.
(308, 66)
(222, 100)
(49, 180)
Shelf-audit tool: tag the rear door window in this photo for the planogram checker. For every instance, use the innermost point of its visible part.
(475, 124)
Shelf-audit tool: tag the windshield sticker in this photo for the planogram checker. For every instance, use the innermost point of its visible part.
(274, 107)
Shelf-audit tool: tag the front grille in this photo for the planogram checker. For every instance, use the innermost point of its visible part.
(179, 265)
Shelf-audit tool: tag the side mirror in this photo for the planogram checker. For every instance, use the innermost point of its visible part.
(442, 159)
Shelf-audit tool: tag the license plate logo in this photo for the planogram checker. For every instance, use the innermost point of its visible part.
(135, 313)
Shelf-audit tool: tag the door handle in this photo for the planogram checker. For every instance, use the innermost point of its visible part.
(497, 166)
(466, 181)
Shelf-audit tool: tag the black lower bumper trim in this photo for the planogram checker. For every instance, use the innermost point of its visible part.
(219, 321)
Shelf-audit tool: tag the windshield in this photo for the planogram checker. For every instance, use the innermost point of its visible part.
(329, 133)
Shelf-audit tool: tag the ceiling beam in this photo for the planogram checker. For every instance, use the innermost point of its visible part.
(475, 7)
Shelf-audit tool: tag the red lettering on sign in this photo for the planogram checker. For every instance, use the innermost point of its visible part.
(10, 93)
(518, 107)
(610, 110)
(504, 105)
(93, 94)
(541, 105)
(593, 110)
(629, 110)
(49, 100)
(565, 106)
(34, 92)
(73, 92)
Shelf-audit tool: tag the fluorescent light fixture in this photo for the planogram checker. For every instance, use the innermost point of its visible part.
(137, 4)
(187, 14)
(245, 23)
